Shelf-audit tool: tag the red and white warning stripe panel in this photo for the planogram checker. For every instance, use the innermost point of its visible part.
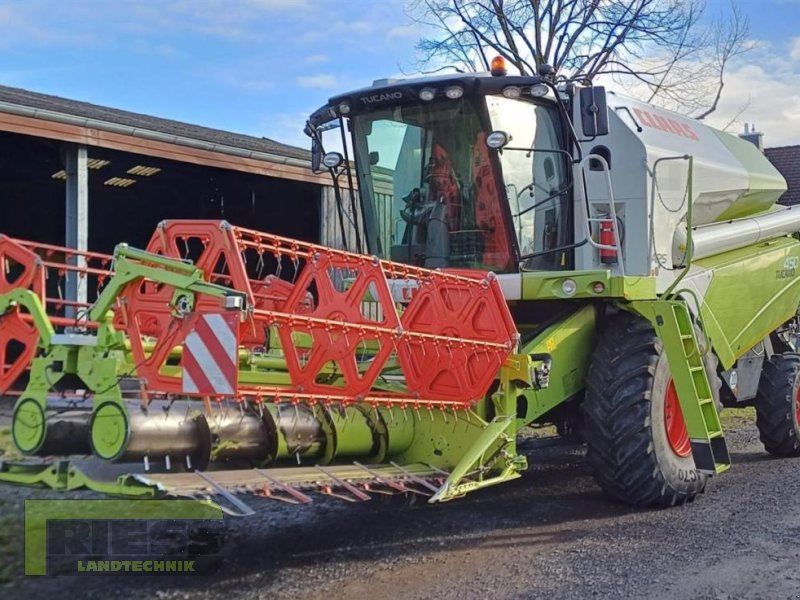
(211, 355)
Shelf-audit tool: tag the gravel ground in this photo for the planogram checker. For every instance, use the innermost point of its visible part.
(550, 534)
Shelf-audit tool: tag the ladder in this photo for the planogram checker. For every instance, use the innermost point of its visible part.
(591, 215)
(674, 327)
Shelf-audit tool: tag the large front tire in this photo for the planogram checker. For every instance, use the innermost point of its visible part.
(637, 444)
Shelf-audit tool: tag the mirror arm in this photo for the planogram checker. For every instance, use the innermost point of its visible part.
(353, 210)
(555, 194)
(317, 149)
(337, 195)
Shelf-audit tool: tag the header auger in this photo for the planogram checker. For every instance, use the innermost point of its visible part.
(531, 251)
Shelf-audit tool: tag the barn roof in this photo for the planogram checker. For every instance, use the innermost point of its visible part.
(77, 108)
(52, 117)
(787, 160)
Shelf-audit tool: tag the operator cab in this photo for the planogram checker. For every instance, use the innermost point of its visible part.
(456, 171)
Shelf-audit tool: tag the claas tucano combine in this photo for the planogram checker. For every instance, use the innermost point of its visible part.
(511, 251)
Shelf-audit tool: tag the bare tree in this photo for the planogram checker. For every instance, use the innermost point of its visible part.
(666, 49)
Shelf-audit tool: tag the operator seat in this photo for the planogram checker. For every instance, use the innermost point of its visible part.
(489, 218)
(430, 217)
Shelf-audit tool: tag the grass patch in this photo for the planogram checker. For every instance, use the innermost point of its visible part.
(10, 543)
(10, 520)
(8, 451)
(733, 418)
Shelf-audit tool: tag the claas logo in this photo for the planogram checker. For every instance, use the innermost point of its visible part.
(664, 124)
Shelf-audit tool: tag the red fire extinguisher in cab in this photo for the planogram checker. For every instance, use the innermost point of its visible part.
(606, 238)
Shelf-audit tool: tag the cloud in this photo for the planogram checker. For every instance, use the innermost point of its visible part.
(353, 26)
(765, 89)
(762, 88)
(285, 127)
(323, 81)
(231, 33)
(20, 24)
(412, 31)
(316, 59)
(6, 15)
(242, 21)
(771, 102)
(256, 75)
(795, 51)
(31, 78)
(278, 4)
(166, 51)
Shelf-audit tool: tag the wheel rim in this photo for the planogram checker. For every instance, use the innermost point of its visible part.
(677, 435)
(797, 404)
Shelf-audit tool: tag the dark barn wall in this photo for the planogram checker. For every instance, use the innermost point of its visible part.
(185, 191)
(32, 202)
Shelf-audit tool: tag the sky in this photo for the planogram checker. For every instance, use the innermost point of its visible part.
(261, 66)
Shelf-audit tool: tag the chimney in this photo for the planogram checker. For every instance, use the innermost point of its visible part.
(754, 137)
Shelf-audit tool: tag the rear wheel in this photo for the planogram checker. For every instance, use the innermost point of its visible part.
(778, 405)
(637, 443)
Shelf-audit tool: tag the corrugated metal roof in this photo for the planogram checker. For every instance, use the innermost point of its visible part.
(787, 160)
(131, 119)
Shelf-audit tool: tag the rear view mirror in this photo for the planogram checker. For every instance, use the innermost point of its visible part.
(594, 111)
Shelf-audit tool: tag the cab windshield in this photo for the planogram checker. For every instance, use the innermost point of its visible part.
(435, 195)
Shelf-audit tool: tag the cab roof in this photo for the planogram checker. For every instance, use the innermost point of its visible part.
(387, 92)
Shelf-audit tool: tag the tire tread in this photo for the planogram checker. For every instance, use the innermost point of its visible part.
(616, 415)
(775, 405)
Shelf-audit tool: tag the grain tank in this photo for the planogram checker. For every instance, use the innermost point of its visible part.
(731, 180)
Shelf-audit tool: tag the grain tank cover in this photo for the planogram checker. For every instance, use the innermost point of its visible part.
(732, 178)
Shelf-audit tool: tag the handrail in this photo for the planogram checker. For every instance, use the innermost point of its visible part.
(617, 247)
(689, 210)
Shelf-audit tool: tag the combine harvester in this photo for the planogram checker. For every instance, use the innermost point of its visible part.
(528, 251)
